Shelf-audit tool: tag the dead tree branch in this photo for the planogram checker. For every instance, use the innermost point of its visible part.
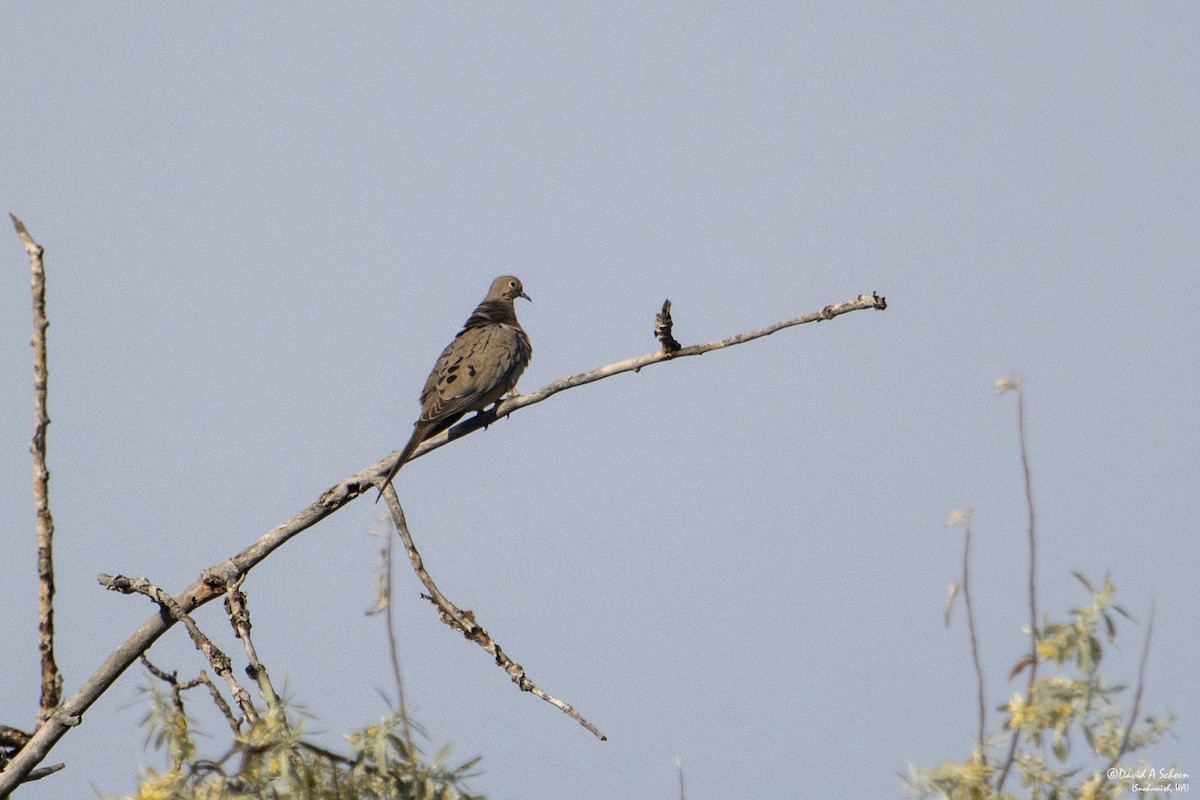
(860, 303)
(464, 621)
(215, 580)
(177, 688)
(52, 681)
(239, 617)
(220, 662)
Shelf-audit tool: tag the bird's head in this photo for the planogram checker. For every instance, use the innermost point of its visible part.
(506, 287)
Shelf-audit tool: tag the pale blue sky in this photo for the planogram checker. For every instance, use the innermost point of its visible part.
(263, 224)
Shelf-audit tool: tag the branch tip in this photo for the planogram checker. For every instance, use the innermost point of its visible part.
(662, 329)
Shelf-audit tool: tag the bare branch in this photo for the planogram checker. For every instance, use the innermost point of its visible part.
(202, 679)
(239, 617)
(209, 586)
(1017, 384)
(38, 774)
(966, 590)
(1137, 697)
(482, 420)
(214, 580)
(52, 681)
(215, 656)
(219, 701)
(464, 621)
(169, 678)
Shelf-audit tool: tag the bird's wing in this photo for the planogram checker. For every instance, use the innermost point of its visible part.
(474, 371)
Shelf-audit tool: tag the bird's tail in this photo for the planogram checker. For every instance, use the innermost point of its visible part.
(419, 434)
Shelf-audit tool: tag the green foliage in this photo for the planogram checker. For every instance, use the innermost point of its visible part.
(272, 760)
(1076, 699)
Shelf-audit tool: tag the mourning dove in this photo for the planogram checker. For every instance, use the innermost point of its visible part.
(475, 370)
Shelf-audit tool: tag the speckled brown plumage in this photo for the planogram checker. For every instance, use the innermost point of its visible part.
(475, 370)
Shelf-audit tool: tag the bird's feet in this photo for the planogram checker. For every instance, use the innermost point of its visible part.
(488, 415)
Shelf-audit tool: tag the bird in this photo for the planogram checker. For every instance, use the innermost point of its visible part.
(478, 368)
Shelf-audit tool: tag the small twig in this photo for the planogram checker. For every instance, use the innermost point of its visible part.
(679, 769)
(464, 621)
(38, 774)
(218, 699)
(662, 329)
(1137, 697)
(201, 680)
(172, 680)
(336, 758)
(239, 618)
(1017, 384)
(52, 681)
(169, 678)
(220, 662)
(966, 591)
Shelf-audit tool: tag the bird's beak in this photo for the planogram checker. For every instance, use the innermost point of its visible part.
(527, 297)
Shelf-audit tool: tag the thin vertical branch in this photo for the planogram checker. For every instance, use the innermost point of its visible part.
(1017, 384)
(384, 605)
(239, 617)
(52, 681)
(1033, 621)
(394, 650)
(966, 591)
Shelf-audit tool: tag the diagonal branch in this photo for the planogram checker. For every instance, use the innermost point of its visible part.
(52, 681)
(464, 621)
(214, 580)
(482, 420)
